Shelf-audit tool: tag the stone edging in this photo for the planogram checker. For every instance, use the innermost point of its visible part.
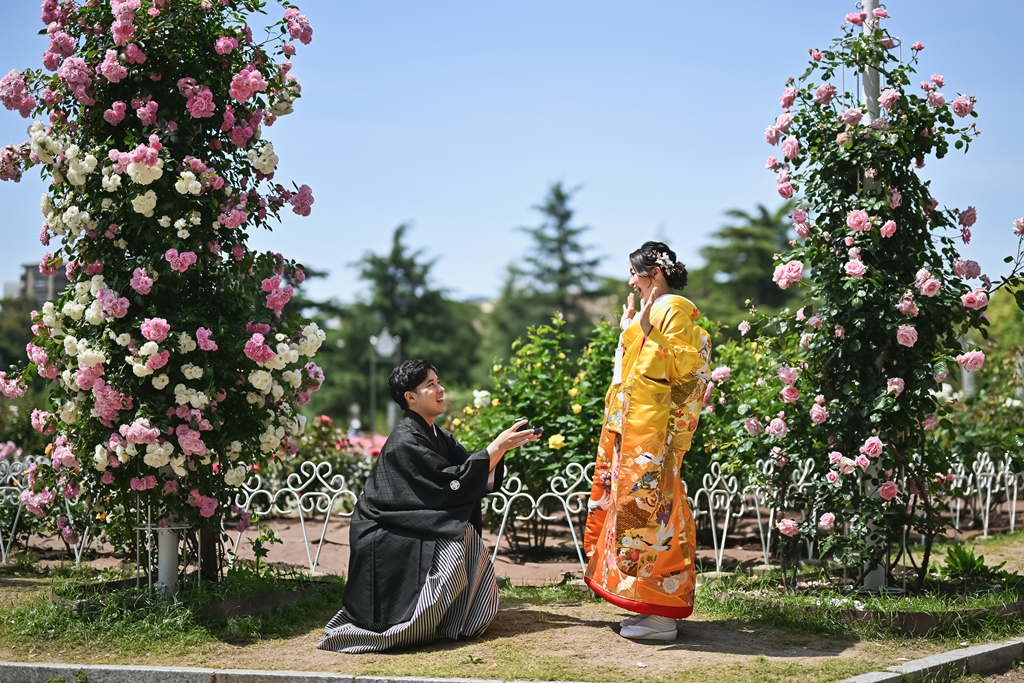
(980, 659)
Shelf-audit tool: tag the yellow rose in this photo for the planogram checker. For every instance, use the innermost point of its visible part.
(456, 422)
(561, 356)
(468, 410)
(576, 408)
(519, 361)
(557, 441)
(495, 402)
(496, 367)
(573, 392)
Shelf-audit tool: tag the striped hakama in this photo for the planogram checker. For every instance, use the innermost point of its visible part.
(459, 600)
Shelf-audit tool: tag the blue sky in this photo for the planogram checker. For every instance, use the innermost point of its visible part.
(457, 115)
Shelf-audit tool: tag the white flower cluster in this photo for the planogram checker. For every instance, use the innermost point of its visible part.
(145, 203)
(186, 344)
(191, 371)
(236, 476)
(79, 165)
(111, 181)
(44, 146)
(144, 174)
(189, 184)
(158, 455)
(196, 399)
(263, 158)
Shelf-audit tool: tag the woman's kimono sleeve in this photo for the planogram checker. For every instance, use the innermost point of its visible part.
(671, 352)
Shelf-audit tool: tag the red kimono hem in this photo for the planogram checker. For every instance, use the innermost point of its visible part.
(641, 607)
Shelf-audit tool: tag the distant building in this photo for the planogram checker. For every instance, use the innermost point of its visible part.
(39, 287)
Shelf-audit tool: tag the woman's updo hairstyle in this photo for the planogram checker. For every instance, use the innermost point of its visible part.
(657, 254)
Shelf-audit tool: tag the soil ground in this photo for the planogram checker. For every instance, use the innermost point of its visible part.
(553, 641)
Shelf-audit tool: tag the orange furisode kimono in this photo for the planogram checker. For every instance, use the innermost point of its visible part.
(640, 532)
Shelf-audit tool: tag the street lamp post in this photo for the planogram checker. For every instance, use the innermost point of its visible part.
(384, 347)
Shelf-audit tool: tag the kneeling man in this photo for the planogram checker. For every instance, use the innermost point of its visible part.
(417, 568)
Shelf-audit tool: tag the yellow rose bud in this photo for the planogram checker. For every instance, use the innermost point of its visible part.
(519, 361)
(495, 402)
(556, 442)
(573, 392)
(561, 356)
(576, 408)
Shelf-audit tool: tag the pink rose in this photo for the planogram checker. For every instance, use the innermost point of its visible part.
(824, 93)
(856, 18)
(976, 300)
(888, 490)
(787, 98)
(787, 374)
(936, 99)
(930, 422)
(968, 217)
(818, 414)
(788, 274)
(971, 361)
(966, 269)
(791, 147)
(855, 268)
(938, 80)
(858, 220)
(790, 394)
(777, 427)
(720, 373)
(785, 190)
(895, 386)
(788, 527)
(771, 163)
(816, 55)
(743, 327)
(784, 121)
(155, 329)
(832, 476)
(917, 47)
(962, 106)
(906, 335)
(141, 282)
(835, 457)
(873, 447)
(888, 98)
(772, 135)
(1018, 227)
(753, 426)
(889, 229)
(827, 521)
(843, 138)
(862, 462)
(930, 287)
(852, 116)
(965, 235)
(907, 306)
(880, 13)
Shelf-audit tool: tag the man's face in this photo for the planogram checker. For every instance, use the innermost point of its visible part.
(427, 398)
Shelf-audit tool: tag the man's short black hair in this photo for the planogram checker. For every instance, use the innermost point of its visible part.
(406, 377)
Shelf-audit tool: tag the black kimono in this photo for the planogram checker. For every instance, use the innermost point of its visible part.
(424, 490)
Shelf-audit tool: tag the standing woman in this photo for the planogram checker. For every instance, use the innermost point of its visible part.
(640, 532)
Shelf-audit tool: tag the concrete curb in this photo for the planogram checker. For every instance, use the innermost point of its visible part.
(980, 659)
(23, 672)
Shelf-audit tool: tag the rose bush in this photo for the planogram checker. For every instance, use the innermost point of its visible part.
(847, 380)
(563, 396)
(172, 368)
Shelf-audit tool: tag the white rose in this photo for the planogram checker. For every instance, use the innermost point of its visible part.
(164, 222)
(145, 203)
(235, 476)
(141, 370)
(185, 343)
(124, 339)
(111, 182)
(94, 314)
(99, 458)
(91, 357)
(149, 348)
(160, 382)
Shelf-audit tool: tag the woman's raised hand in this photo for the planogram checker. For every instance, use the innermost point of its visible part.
(627, 312)
(645, 311)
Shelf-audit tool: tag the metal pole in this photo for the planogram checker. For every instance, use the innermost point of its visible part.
(870, 82)
(373, 391)
(874, 580)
